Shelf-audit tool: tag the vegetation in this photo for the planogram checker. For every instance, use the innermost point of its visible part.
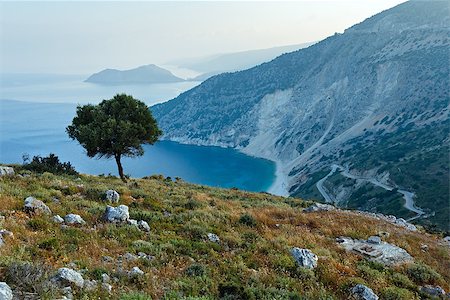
(50, 164)
(251, 261)
(114, 128)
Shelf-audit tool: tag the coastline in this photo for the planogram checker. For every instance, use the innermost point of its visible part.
(280, 184)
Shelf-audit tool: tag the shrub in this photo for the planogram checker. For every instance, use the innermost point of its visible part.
(38, 224)
(50, 164)
(135, 296)
(28, 277)
(195, 270)
(247, 220)
(49, 244)
(422, 274)
(395, 293)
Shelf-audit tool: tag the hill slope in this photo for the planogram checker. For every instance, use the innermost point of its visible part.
(373, 100)
(140, 75)
(249, 258)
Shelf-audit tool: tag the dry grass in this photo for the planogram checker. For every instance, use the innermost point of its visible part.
(251, 262)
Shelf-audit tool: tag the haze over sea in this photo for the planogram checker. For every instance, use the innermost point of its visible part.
(36, 108)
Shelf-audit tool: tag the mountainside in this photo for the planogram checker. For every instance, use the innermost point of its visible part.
(140, 75)
(95, 237)
(230, 62)
(360, 119)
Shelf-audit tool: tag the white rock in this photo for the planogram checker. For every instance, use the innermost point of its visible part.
(213, 238)
(58, 219)
(7, 233)
(130, 257)
(433, 290)
(73, 219)
(68, 277)
(132, 222)
(319, 207)
(304, 258)
(6, 171)
(362, 292)
(143, 225)
(135, 271)
(5, 291)
(112, 196)
(105, 278)
(90, 285)
(34, 206)
(374, 239)
(116, 214)
(107, 287)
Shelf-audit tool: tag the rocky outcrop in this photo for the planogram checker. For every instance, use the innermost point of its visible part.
(34, 206)
(117, 214)
(435, 291)
(65, 277)
(143, 225)
(213, 238)
(112, 196)
(376, 250)
(58, 219)
(135, 271)
(304, 258)
(6, 171)
(362, 292)
(74, 219)
(5, 291)
(319, 207)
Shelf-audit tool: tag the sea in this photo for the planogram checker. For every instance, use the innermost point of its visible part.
(35, 109)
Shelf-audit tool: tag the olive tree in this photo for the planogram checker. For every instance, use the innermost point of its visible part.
(114, 128)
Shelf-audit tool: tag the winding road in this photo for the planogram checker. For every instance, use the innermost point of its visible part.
(408, 196)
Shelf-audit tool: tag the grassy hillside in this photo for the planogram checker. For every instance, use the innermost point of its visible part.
(252, 260)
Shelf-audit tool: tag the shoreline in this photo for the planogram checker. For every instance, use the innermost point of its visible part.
(279, 186)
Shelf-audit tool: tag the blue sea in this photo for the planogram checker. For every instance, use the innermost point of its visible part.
(34, 123)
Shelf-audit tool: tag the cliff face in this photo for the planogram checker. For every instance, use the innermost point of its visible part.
(374, 99)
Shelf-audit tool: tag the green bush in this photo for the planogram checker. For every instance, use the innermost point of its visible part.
(49, 244)
(50, 164)
(395, 293)
(135, 296)
(247, 220)
(195, 270)
(422, 274)
(38, 224)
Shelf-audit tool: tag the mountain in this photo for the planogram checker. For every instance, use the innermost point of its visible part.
(141, 75)
(360, 119)
(216, 64)
(96, 237)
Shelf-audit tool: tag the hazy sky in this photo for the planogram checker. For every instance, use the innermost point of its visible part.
(85, 37)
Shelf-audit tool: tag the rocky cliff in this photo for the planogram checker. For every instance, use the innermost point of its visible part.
(374, 99)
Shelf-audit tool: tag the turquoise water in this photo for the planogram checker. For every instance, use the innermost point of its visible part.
(39, 128)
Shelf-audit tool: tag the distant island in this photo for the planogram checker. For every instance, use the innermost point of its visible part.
(140, 75)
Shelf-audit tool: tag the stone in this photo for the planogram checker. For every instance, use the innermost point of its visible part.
(90, 285)
(112, 196)
(213, 238)
(68, 277)
(2, 242)
(5, 291)
(132, 222)
(73, 219)
(6, 233)
(105, 278)
(145, 256)
(424, 247)
(117, 214)
(135, 271)
(107, 259)
(34, 206)
(362, 292)
(433, 290)
(402, 222)
(374, 240)
(67, 292)
(58, 219)
(143, 225)
(6, 171)
(304, 258)
(384, 253)
(130, 257)
(319, 207)
(107, 287)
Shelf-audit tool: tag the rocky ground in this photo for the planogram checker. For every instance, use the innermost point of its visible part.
(89, 237)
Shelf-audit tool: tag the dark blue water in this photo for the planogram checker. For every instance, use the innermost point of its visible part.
(39, 128)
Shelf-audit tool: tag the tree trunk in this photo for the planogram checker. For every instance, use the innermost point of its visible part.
(120, 168)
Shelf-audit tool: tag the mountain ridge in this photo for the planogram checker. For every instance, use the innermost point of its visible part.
(294, 109)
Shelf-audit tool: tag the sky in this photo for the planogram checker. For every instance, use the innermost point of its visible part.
(81, 37)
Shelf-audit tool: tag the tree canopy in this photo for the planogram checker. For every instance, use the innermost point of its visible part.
(114, 128)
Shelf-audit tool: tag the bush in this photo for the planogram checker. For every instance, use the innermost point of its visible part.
(49, 244)
(395, 293)
(28, 277)
(195, 270)
(135, 296)
(38, 224)
(50, 164)
(247, 220)
(422, 274)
